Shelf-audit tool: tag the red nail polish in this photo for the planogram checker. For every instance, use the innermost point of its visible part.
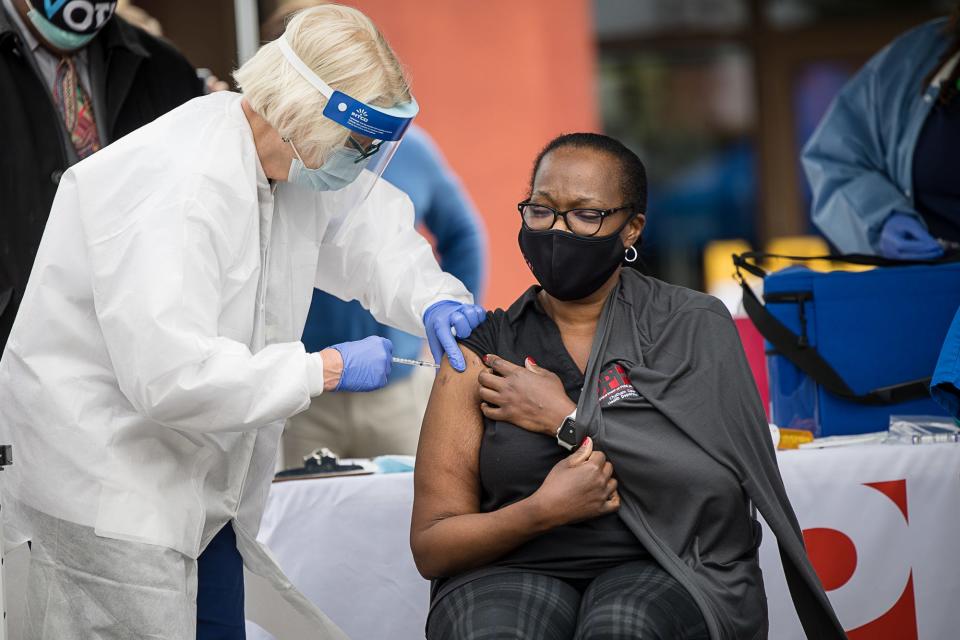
(532, 360)
(584, 441)
(484, 358)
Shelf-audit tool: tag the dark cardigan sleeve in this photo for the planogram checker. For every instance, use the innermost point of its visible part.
(697, 374)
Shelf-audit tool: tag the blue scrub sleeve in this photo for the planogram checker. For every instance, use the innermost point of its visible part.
(945, 386)
(461, 242)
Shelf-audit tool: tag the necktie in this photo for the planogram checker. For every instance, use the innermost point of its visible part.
(76, 108)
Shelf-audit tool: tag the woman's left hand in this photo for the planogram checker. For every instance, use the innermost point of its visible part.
(530, 396)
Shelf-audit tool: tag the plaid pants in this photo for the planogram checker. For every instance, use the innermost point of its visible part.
(637, 600)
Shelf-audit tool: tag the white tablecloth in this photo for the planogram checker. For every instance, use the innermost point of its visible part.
(882, 524)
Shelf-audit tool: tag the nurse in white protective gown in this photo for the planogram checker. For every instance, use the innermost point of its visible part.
(156, 353)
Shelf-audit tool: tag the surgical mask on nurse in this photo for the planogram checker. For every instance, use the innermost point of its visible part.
(570, 265)
(341, 168)
(69, 25)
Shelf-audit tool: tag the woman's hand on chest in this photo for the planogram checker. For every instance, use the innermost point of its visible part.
(529, 397)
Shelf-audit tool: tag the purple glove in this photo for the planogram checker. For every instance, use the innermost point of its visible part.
(440, 318)
(366, 364)
(904, 238)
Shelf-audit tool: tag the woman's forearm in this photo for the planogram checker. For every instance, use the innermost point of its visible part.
(454, 544)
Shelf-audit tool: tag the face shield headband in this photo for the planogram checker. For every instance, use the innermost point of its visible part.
(377, 123)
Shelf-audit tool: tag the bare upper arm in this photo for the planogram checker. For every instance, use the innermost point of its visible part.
(446, 480)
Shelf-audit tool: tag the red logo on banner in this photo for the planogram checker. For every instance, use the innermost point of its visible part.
(834, 558)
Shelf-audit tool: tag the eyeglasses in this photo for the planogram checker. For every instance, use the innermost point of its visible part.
(582, 222)
(364, 151)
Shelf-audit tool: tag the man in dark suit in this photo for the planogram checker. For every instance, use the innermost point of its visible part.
(73, 78)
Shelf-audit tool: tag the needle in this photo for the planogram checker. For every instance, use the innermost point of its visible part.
(414, 363)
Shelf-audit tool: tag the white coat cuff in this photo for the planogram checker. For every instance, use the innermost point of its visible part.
(315, 374)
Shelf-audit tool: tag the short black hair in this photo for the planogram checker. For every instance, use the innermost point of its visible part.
(633, 175)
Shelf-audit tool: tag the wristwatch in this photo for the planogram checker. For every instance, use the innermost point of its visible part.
(567, 433)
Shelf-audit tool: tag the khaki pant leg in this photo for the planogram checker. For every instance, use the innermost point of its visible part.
(324, 424)
(388, 421)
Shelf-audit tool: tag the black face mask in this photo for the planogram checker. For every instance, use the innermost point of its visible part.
(571, 267)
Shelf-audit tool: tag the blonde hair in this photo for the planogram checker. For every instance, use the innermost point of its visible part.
(344, 48)
(272, 28)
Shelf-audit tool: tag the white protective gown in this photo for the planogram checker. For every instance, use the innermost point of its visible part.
(156, 353)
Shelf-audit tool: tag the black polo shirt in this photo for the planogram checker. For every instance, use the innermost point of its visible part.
(514, 462)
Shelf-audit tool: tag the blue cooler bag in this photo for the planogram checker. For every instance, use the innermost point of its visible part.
(846, 350)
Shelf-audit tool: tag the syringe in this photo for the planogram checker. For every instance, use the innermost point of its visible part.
(414, 363)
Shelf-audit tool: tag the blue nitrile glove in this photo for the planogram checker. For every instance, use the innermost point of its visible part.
(366, 364)
(440, 318)
(904, 238)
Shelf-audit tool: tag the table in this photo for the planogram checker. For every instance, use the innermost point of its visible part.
(881, 524)
(344, 542)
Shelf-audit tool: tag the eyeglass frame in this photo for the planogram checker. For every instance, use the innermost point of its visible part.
(364, 153)
(604, 213)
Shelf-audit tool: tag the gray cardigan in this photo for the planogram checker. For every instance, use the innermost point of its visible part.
(698, 409)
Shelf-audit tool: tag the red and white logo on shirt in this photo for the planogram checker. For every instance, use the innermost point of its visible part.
(614, 385)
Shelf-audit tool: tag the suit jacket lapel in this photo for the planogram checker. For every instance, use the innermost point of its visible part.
(114, 63)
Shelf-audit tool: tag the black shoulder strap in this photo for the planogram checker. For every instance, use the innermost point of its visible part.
(806, 358)
(747, 260)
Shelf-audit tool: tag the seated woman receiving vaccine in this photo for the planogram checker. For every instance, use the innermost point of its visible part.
(597, 472)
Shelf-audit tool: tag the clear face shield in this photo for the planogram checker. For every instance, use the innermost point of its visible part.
(374, 133)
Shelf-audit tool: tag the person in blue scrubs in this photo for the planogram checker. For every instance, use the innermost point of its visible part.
(387, 421)
(883, 164)
(945, 387)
